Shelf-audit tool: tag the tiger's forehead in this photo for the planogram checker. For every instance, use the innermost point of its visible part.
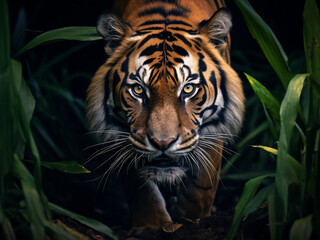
(165, 55)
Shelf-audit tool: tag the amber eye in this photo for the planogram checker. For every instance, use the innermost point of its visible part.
(137, 89)
(188, 88)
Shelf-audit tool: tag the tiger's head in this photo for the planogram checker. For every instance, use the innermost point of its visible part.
(165, 94)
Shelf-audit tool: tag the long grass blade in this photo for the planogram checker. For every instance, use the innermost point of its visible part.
(247, 195)
(267, 41)
(34, 205)
(266, 98)
(288, 114)
(98, 226)
(66, 166)
(67, 33)
(311, 34)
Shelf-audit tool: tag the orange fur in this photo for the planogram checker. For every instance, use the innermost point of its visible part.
(162, 46)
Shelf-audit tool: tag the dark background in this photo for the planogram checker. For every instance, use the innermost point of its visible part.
(68, 128)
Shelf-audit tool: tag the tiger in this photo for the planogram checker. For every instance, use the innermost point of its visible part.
(166, 102)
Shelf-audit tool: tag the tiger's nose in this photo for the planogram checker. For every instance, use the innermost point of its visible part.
(162, 144)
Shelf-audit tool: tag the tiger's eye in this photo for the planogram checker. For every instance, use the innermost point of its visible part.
(138, 89)
(188, 88)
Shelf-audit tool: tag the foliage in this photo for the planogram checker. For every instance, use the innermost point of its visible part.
(294, 123)
(23, 204)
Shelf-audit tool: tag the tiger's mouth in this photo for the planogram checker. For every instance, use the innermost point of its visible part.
(164, 161)
(163, 169)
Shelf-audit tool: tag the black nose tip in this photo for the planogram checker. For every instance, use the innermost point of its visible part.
(162, 144)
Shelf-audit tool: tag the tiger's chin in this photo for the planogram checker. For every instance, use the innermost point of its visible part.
(163, 171)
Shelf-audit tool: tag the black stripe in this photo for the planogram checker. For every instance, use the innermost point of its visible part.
(151, 50)
(166, 22)
(202, 64)
(164, 35)
(203, 100)
(181, 51)
(187, 140)
(183, 39)
(214, 83)
(116, 80)
(106, 94)
(178, 60)
(150, 60)
(162, 11)
(191, 32)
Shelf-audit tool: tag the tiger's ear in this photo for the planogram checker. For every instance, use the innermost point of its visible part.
(112, 29)
(217, 27)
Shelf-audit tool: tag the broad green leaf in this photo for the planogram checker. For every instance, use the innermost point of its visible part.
(301, 229)
(311, 35)
(266, 98)
(258, 200)
(5, 45)
(22, 107)
(267, 41)
(295, 166)
(98, 226)
(295, 174)
(288, 113)
(272, 126)
(66, 166)
(67, 33)
(247, 195)
(34, 205)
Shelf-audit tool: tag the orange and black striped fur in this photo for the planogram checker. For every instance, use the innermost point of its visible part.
(166, 100)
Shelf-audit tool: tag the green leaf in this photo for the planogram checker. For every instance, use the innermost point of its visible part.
(247, 195)
(34, 205)
(258, 200)
(288, 114)
(295, 174)
(98, 226)
(267, 41)
(266, 98)
(311, 35)
(301, 229)
(66, 166)
(67, 33)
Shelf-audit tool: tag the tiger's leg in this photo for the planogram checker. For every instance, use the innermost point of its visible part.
(147, 206)
(196, 198)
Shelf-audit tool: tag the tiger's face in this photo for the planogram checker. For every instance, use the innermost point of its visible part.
(170, 93)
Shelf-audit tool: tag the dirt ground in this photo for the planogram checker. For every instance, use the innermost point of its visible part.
(107, 206)
(215, 227)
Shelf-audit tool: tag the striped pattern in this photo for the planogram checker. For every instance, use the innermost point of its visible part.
(163, 134)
